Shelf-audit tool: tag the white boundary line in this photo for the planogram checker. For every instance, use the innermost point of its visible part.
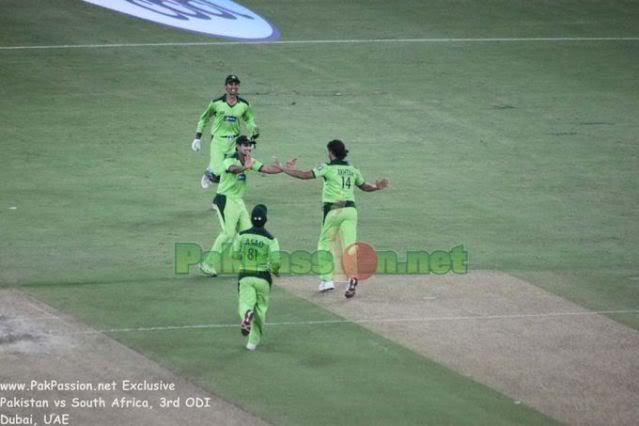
(362, 321)
(346, 41)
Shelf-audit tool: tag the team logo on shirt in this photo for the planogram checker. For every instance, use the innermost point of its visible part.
(223, 18)
(230, 118)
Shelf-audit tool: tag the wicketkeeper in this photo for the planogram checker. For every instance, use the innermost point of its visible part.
(226, 112)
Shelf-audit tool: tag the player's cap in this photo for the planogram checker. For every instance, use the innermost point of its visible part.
(232, 78)
(258, 215)
(243, 140)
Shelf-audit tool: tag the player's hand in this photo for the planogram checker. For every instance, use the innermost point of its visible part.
(381, 183)
(248, 162)
(196, 145)
(290, 164)
(276, 163)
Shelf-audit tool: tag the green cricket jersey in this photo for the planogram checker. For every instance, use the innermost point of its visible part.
(233, 185)
(259, 253)
(226, 118)
(340, 179)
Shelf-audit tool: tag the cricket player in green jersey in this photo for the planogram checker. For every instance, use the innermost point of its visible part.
(226, 112)
(258, 252)
(228, 200)
(340, 215)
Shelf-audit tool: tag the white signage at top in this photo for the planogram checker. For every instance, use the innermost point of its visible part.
(223, 18)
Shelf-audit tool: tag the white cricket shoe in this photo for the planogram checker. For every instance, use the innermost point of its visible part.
(208, 270)
(325, 286)
(205, 182)
(208, 179)
(251, 347)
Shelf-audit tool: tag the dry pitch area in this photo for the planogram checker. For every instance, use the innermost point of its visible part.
(569, 363)
(38, 343)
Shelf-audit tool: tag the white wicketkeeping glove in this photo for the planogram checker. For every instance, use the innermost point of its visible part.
(196, 145)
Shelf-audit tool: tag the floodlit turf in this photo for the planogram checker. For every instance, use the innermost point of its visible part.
(525, 152)
(302, 374)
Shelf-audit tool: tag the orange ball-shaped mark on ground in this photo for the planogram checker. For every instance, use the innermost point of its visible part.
(359, 260)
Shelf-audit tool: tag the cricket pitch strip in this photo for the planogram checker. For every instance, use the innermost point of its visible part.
(572, 364)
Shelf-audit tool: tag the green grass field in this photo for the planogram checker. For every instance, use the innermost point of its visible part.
(524, 151)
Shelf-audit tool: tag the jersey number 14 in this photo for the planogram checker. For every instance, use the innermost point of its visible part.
(346, 182)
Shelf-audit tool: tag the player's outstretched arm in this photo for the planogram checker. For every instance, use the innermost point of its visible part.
(300, 174)
(379, 185)
(270, 169)
(247, 164)
(236, 170)
(289, 169)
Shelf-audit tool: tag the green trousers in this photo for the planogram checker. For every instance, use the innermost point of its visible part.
(219, 148)
(234, 218)
(339, 230)
(254, 295)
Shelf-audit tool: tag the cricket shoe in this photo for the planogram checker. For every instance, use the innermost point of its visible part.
(350, 290)
(251, 347)
(207, 270)
(325, 286)
(245, 325)
(208, 179)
